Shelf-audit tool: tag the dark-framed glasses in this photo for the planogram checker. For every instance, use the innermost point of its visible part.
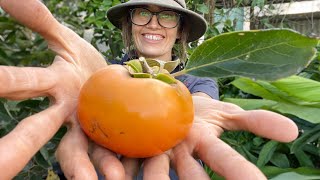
(166, 18)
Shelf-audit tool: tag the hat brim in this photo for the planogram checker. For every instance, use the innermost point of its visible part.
(197, 24)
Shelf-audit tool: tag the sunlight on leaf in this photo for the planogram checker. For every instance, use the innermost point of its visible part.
(258, 54)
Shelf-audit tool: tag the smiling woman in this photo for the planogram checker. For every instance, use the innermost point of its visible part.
(153, 40)
(152, 28)
(180, 21)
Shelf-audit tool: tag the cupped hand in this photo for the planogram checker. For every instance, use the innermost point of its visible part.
(212, 117)
(75, 61)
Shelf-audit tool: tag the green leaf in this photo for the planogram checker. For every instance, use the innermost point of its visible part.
(303, 158)
(280, 160)
(305, 91)
(259, 54)
(259, 3)
(41, 161)
(295, 176)
(258, 88)
(135, 65)
(310, 114)
(293, 95)
(266, 153)
(306, 138)
(250, 104)
(272, 171)
(167, 78)
(204, 9)
(169, 66)
(249, 155)
(141, 75)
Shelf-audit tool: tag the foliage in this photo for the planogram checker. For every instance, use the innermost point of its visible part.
(11, 113)
(263, 54)
(274, 158)
(88, 19)
(20, 47)
(294, 95)
(277, 160)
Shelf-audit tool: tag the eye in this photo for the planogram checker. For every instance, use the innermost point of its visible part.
(168, 15)
(144, 13)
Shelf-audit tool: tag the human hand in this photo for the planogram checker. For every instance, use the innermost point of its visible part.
(212, 117)
(76, 60)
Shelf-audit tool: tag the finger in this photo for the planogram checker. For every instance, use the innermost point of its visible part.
(17, 148)
(107, 163)
(186, 166)
(229, 116)
(204, 104)
(131, 167)
(72, 155)
(225, 161)
(33, 14)
(25, 82)
(266, 123)
(156, 167)
(62, 40)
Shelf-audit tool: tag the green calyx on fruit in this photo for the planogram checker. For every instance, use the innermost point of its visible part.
(152, 68)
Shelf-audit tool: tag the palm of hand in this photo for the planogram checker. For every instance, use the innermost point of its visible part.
(211, 119)
(76, 60)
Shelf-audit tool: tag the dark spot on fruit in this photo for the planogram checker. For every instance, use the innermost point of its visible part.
(94, 125)
(102, 131)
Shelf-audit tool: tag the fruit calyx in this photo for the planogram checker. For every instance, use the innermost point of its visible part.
(152, 68)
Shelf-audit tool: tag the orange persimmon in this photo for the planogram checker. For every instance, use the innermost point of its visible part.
(134, 117)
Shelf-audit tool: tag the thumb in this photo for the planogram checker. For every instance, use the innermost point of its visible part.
(265, 123)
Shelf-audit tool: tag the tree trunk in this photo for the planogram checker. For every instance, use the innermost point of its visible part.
(210, 16)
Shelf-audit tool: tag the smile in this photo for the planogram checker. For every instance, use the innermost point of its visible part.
(153, 37)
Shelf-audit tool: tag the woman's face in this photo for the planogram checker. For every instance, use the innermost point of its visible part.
(153, 40)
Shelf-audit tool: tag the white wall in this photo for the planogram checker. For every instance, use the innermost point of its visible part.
(283, 9)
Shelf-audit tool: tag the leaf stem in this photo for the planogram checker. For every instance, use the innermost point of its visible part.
(145, 65)
(179, 73)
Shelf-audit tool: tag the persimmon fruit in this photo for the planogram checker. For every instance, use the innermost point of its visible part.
(134, 117)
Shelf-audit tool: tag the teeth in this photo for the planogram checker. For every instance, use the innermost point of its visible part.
(153, 37)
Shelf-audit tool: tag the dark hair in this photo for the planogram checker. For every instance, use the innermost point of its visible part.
(180, 51)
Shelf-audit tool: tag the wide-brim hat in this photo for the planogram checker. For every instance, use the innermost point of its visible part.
(198, 25)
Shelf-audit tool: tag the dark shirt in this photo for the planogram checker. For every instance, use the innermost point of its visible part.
(193, 83)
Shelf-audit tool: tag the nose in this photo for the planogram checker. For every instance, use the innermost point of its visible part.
(153, 24)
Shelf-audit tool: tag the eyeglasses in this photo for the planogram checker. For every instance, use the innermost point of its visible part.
(166, 18)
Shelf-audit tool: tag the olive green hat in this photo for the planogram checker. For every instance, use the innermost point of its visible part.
(198, 25)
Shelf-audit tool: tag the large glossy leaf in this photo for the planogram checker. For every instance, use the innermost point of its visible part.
(259, 54)
(295, 176)
(257, 88)
(250, 104)
(295, 89)
(293, 95)
(310, 114)
(303, 89)
(307, 113)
